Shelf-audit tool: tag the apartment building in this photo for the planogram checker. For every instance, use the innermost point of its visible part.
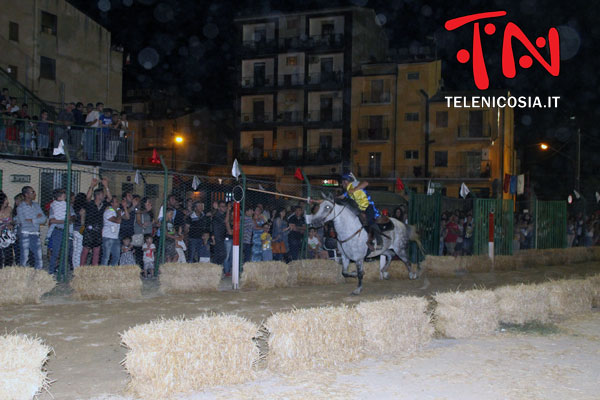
(403, 128)
(295, 81)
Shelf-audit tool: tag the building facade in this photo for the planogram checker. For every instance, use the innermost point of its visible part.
(59, 54)
(403, 128)
(295, 78)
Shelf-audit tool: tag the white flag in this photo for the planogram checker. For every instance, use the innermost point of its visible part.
(521, 184)
(137, 177)
(464, 191)
(260, 187)
(430, 189)
(60, 149)
(597, 197)
(355, 182)
(577, 195)
(235, 171)
(195, 182)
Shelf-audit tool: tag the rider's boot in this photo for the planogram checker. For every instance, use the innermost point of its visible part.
(376, 232)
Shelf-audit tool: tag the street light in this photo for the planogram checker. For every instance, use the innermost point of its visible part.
(177, 140)
(544, 146)
(576, 162)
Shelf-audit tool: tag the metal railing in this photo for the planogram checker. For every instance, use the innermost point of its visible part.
(325, 115)
(469, 132)
(312, 155)
(25, 96)
(35, 138)
(259, 46)
(373, 134)
(290, 116)
(258, 81)
(376, 98)
(323, 78)
(334, 40)
(287, 80)
(254, 118)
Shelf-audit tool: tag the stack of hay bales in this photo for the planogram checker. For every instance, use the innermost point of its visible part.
(317, 272)
(595, 288)
(268, 275)
(171, 357)
(313, 338)
(396, 326)
(465, 314)
(569, 297)
(396, 270)
(107, 282)
(24, 285)
(520, 304)
(21, 367)
(189, 278)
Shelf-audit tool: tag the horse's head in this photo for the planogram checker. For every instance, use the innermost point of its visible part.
(324, 212)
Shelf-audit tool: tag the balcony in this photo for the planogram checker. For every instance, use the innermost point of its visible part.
(278, 157)
(290, 80)
(376, 98)
(290, 116)
(333, 78)
(36, 139)
(325, 115)
(475, 132)
(250, 82)
(326, 42)
(256, 118)
(373, 134)
(256, 47)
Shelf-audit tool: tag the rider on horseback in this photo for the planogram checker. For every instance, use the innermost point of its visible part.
(356, 191)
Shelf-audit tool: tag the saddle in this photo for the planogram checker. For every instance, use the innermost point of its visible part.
(385, 224)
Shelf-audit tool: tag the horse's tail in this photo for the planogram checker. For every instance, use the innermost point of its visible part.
(413, 235)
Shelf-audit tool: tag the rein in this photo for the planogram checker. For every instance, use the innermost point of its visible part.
(355, 233)
(335, 216)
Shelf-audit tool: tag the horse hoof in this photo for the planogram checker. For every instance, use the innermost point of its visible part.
(357, 291)
(412, 276)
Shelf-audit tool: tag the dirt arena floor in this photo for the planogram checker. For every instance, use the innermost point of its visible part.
(555, 361)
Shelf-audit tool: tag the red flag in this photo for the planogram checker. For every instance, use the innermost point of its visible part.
(506, 183)
(154, 159)
(399, 185)
(298, 174)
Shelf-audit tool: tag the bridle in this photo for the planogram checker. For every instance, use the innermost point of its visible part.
(338, 214)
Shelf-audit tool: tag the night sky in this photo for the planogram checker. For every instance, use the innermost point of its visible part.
(188, 47)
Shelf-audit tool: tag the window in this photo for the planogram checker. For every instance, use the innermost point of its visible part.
(292, 61)
(411, 116)
(327, 28)
(441, 159)
(151, 190)
(13, 71)
(47, 68)
(441, 119)
(49, 23)
(412, 76)
(476, 124)
(292, 22)
(411, 154)
(374, 164)
(325, 141)
(377, 91)
(13, 31)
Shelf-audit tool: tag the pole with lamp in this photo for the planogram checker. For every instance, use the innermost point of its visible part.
(177, 140)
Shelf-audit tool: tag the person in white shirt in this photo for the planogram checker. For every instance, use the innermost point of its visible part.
(92, 120)
(57, 215)
(111, 245)
(148, 250)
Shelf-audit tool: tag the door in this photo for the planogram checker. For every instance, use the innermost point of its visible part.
(258, 147)
(326, 69)
(326, 108)
(259, 111)
(259, 74)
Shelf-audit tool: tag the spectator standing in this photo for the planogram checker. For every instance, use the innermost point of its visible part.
(149, 250)
(57, 216)
(112, 218)
(30, 216)
(75, 138)
(65, 119)
(204, 251)
(228, 262)
(570, 232)
(92, 220)
(92, 133)
(143, 227)
(296, 235)
(5, 96)
(219, 232)
(247, 238)
(13, 107)
(257, 231)
(468, 236)
(43, 129)
(79, 210)
(127, 225)
(280, 235)
(123, 128)
(7, 235)
(452, 233)
(197, 223)
(106, 123)
(113, 141)
(266, 239)
(127, 256)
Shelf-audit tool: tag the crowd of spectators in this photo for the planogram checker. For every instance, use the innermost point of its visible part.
(92, 132)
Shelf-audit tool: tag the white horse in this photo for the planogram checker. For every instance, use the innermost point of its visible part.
(352, 238)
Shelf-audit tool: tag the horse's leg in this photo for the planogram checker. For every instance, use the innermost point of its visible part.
(345, 263)
(359, 274)
(384, 263)
(403, 255)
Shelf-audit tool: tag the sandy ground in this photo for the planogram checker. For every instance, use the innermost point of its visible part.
(87, 353)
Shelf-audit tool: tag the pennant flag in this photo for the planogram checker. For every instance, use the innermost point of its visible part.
(155, 159)
(260, 187)
(399, 185)
(464, 191)
(235, 170)
(137, 177)
(195, 183)
(430, 189)
(577, 195)
(298, 174)
(597, 197)
(521, 184)
(60, 149)
(513, 184)
(506, 186)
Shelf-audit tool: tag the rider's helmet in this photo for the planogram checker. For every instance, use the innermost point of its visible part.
(385, 212)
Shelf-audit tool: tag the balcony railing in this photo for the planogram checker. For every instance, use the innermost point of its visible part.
(31, 138)
(289, 80)
(325, 78)
(373, 134)
(259, 46)
(312, 156)
(469, 132)
(256, 118)
(290, 116)
(325, 115)
(258, 81)
(375, 98)
(334, 40)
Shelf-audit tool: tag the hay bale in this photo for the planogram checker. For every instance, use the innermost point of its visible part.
(443, 266)
(266, 275)
(569, 297)
(396, 326)
(506, 263)
(317, 272)
(24, 285)
(170, 357)
(594, 282)
(93, 282)
(396, 270)
(575, 255)
(519, 304)
(22, 359)
(189, 278)
(595, 253)
(466, 314)
(475, 263)
(313, 338)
